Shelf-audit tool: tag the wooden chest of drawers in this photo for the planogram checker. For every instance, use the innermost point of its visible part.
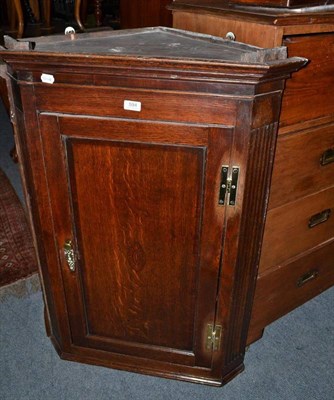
(297, 245)
(147, 159)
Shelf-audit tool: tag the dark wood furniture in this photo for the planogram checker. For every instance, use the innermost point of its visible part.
(147, 158)
(4, 93)
(133, 13)
(78, 4)
(16, 15)
(297, 255)
(145, 13)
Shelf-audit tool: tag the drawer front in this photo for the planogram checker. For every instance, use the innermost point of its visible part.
(309, 93)
(304, 164)
(296, 227)
(290, 285)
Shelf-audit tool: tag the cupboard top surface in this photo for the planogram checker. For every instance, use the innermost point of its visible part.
(268, 15)
(147, 43)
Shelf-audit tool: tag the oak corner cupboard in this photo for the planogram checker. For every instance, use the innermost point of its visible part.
(146, 158)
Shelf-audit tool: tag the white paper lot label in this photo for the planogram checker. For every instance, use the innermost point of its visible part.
(132, 105)
(47, 78)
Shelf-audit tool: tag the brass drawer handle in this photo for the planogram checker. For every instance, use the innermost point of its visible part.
(309, 276)
(319, 218)
(327, 157)
(69, 255)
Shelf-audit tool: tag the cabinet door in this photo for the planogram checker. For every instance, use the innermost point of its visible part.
(139, 202)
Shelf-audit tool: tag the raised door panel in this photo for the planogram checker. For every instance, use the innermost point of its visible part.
(141, 212)
(141, 207)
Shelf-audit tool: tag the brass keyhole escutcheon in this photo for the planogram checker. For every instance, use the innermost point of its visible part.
(69, 254)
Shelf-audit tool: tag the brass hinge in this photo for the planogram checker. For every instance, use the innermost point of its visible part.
(213, 337)
(228, 185)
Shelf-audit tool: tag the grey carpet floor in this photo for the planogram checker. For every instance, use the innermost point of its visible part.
(293, 361)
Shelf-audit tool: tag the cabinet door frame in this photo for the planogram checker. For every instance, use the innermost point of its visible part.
(215, 141)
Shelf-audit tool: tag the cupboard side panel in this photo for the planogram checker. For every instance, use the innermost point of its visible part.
(244, 227)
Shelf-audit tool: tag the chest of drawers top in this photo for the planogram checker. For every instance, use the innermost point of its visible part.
(250, 11)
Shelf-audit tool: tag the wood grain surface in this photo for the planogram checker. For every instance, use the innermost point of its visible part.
(298, 171)
(287, 232)
(281, 290)
(308, 94)
(301, 186)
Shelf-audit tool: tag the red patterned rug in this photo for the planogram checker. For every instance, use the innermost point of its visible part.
(17, 255)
